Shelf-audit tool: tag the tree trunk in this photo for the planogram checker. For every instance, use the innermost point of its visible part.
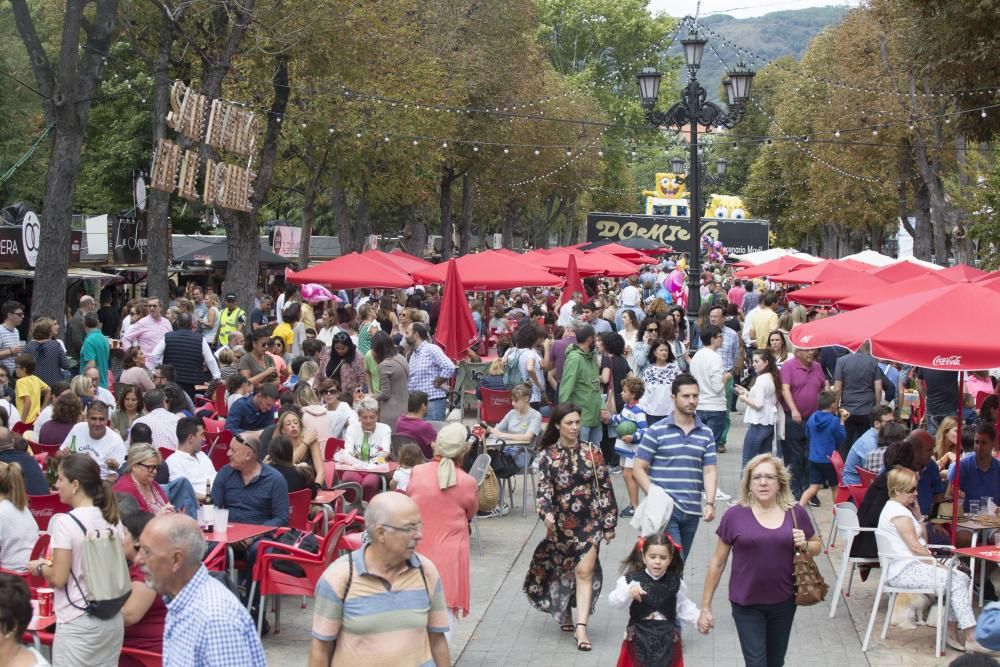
(922, 243)
(447, 178)
(415, 231)
(67, 88)
(574, 228)
(512, 215)
(465, 231)
(308, 216)
(158, 202)
(243, 228)
(342, 218)
(363, 222)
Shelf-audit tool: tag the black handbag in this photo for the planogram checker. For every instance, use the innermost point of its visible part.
(503, 464)
(300, 540)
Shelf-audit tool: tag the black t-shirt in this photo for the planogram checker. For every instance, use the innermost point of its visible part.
(110, 320)
(34, 480)
(619, 371)
(942, 390)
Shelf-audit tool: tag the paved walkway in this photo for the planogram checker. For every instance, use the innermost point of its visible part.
(504, 630)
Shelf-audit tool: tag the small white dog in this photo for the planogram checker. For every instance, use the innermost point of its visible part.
(911, 610)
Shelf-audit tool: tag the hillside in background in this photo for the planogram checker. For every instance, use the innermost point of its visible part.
(770, 36)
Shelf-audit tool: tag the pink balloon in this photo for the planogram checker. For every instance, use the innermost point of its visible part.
(313, 293)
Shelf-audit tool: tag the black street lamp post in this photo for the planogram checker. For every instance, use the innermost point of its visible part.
(693, 110)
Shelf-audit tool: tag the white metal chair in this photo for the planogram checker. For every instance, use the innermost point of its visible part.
(849, 527)
(939, 587)
(478, 472)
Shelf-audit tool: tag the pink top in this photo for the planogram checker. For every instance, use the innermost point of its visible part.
(974, 385)
(446, 515)
(147, 334)
(153, 504)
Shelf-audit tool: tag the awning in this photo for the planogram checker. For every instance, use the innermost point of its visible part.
(78, 273)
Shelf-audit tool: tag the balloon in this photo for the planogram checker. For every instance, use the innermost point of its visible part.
(313, 293)
(682, 264)
(717, 245)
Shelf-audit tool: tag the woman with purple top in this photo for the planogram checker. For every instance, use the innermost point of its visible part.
(761, 534)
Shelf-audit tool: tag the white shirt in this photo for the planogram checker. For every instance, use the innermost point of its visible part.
(566, 313)
(18, 533)
(341, 418)
(279, 305)
(897, 547)
(762, 393)
(163, 424)
(66, 534)
(631, 296)
(14, 417)
(206, 353)
(747, 332)
(111, 446)
(687, 611)
(105, 396)
(706, 367)
(196, 468)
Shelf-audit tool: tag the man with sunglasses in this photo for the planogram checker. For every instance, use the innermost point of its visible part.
(396, 593)
(148, 332)
(10, 338)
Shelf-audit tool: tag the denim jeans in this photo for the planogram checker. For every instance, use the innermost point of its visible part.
(682, 527)
(764, 630)
(437, 409)
(795, 451)
(592, 434)
(757, 440)
(715, 421)
(724, 438)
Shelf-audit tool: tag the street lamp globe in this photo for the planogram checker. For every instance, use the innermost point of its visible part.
(677, 164)
(720, 166)
(694, 48)
(740, 78)
(649, 86)
(730, 92)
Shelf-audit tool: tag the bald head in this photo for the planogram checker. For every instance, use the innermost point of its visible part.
(87, 303)
(387, 509)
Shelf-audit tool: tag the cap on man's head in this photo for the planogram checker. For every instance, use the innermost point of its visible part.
(231, 296)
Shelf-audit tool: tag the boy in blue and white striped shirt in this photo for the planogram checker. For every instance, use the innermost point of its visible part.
(626, 446)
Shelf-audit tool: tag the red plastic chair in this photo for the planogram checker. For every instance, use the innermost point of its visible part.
(298, 512)
(42, 460)
(867, 477)
(221, 409)
(333, 445)
(21, 428)
(220, 454)
(165, 452)
(37, 551)
(843, 494)
(39, 448)
(982, 396)
(495, 404)
(43, 507)
(273, 582)
(133, 657)
(215, 560)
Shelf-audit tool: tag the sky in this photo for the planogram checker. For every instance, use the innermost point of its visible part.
(738, 8)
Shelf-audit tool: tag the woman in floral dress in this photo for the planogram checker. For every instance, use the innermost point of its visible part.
(577, 504)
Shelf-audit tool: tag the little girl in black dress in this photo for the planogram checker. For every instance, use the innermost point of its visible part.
(652, 588)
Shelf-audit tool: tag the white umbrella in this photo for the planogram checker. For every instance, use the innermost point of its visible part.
(761, 256)
(872, 257)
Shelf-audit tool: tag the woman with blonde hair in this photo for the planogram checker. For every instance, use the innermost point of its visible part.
(902, 525)
(761, 532)
(307, 450)
(18, 529)
(210, 325)
(945, 441)
(83, 388)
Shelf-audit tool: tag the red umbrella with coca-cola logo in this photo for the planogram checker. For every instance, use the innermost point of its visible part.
(945, 328)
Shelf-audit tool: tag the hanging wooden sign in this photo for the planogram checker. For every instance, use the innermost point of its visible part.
(166, 161)
(187, 186)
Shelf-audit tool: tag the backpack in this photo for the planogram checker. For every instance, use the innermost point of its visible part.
(299, 540)
(512, 370)
(108, 580)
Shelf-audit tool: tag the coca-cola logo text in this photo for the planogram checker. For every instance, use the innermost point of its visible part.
(953, 360)
(44, 511)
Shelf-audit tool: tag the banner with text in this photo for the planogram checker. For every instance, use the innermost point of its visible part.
(739, 236)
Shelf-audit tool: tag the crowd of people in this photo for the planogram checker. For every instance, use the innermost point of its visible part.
(612, 381)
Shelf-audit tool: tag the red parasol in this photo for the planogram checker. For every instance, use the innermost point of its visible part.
(819, 272)
(405, 261)
(557, 261)
(893, 290)
(964, 272)
(573, 282)
(619, 250)
(491, 270)
(352, 271)
(456, 330)
(829, 292)
(906, 330)
(900, 271)
(782, 264)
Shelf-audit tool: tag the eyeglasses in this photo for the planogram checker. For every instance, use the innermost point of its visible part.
(328, 392)
(151, 467)
(413, 528)
(764, 477)
(911, 490)
(653, 330)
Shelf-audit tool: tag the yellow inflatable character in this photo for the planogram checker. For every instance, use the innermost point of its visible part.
(727, 207)
(667, 187)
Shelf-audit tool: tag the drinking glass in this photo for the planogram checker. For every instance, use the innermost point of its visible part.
(221, 520)
(974, 507)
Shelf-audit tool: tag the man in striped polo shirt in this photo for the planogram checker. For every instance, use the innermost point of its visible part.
(382, 604)
(678, 455)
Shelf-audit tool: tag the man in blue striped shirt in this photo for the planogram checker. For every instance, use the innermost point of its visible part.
(678, 455)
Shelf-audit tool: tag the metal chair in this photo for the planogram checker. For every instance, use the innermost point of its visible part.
(478, 472)
(848, 525)
(937, 588)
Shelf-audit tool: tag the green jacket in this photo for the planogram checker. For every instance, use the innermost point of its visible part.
(581, 384)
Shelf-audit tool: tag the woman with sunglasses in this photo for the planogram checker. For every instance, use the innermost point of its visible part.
(649, 333)
(139, 480)
(346, 364)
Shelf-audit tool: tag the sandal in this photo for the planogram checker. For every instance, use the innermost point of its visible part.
(582, 645)
(567, 627)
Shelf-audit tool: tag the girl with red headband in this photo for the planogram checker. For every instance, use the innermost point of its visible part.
(652, 588)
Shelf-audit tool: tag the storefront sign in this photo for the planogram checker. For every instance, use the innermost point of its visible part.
(739, 236)
(19, 245)
(128, 240)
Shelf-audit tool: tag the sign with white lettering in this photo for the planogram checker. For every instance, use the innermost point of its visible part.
(739, 236)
